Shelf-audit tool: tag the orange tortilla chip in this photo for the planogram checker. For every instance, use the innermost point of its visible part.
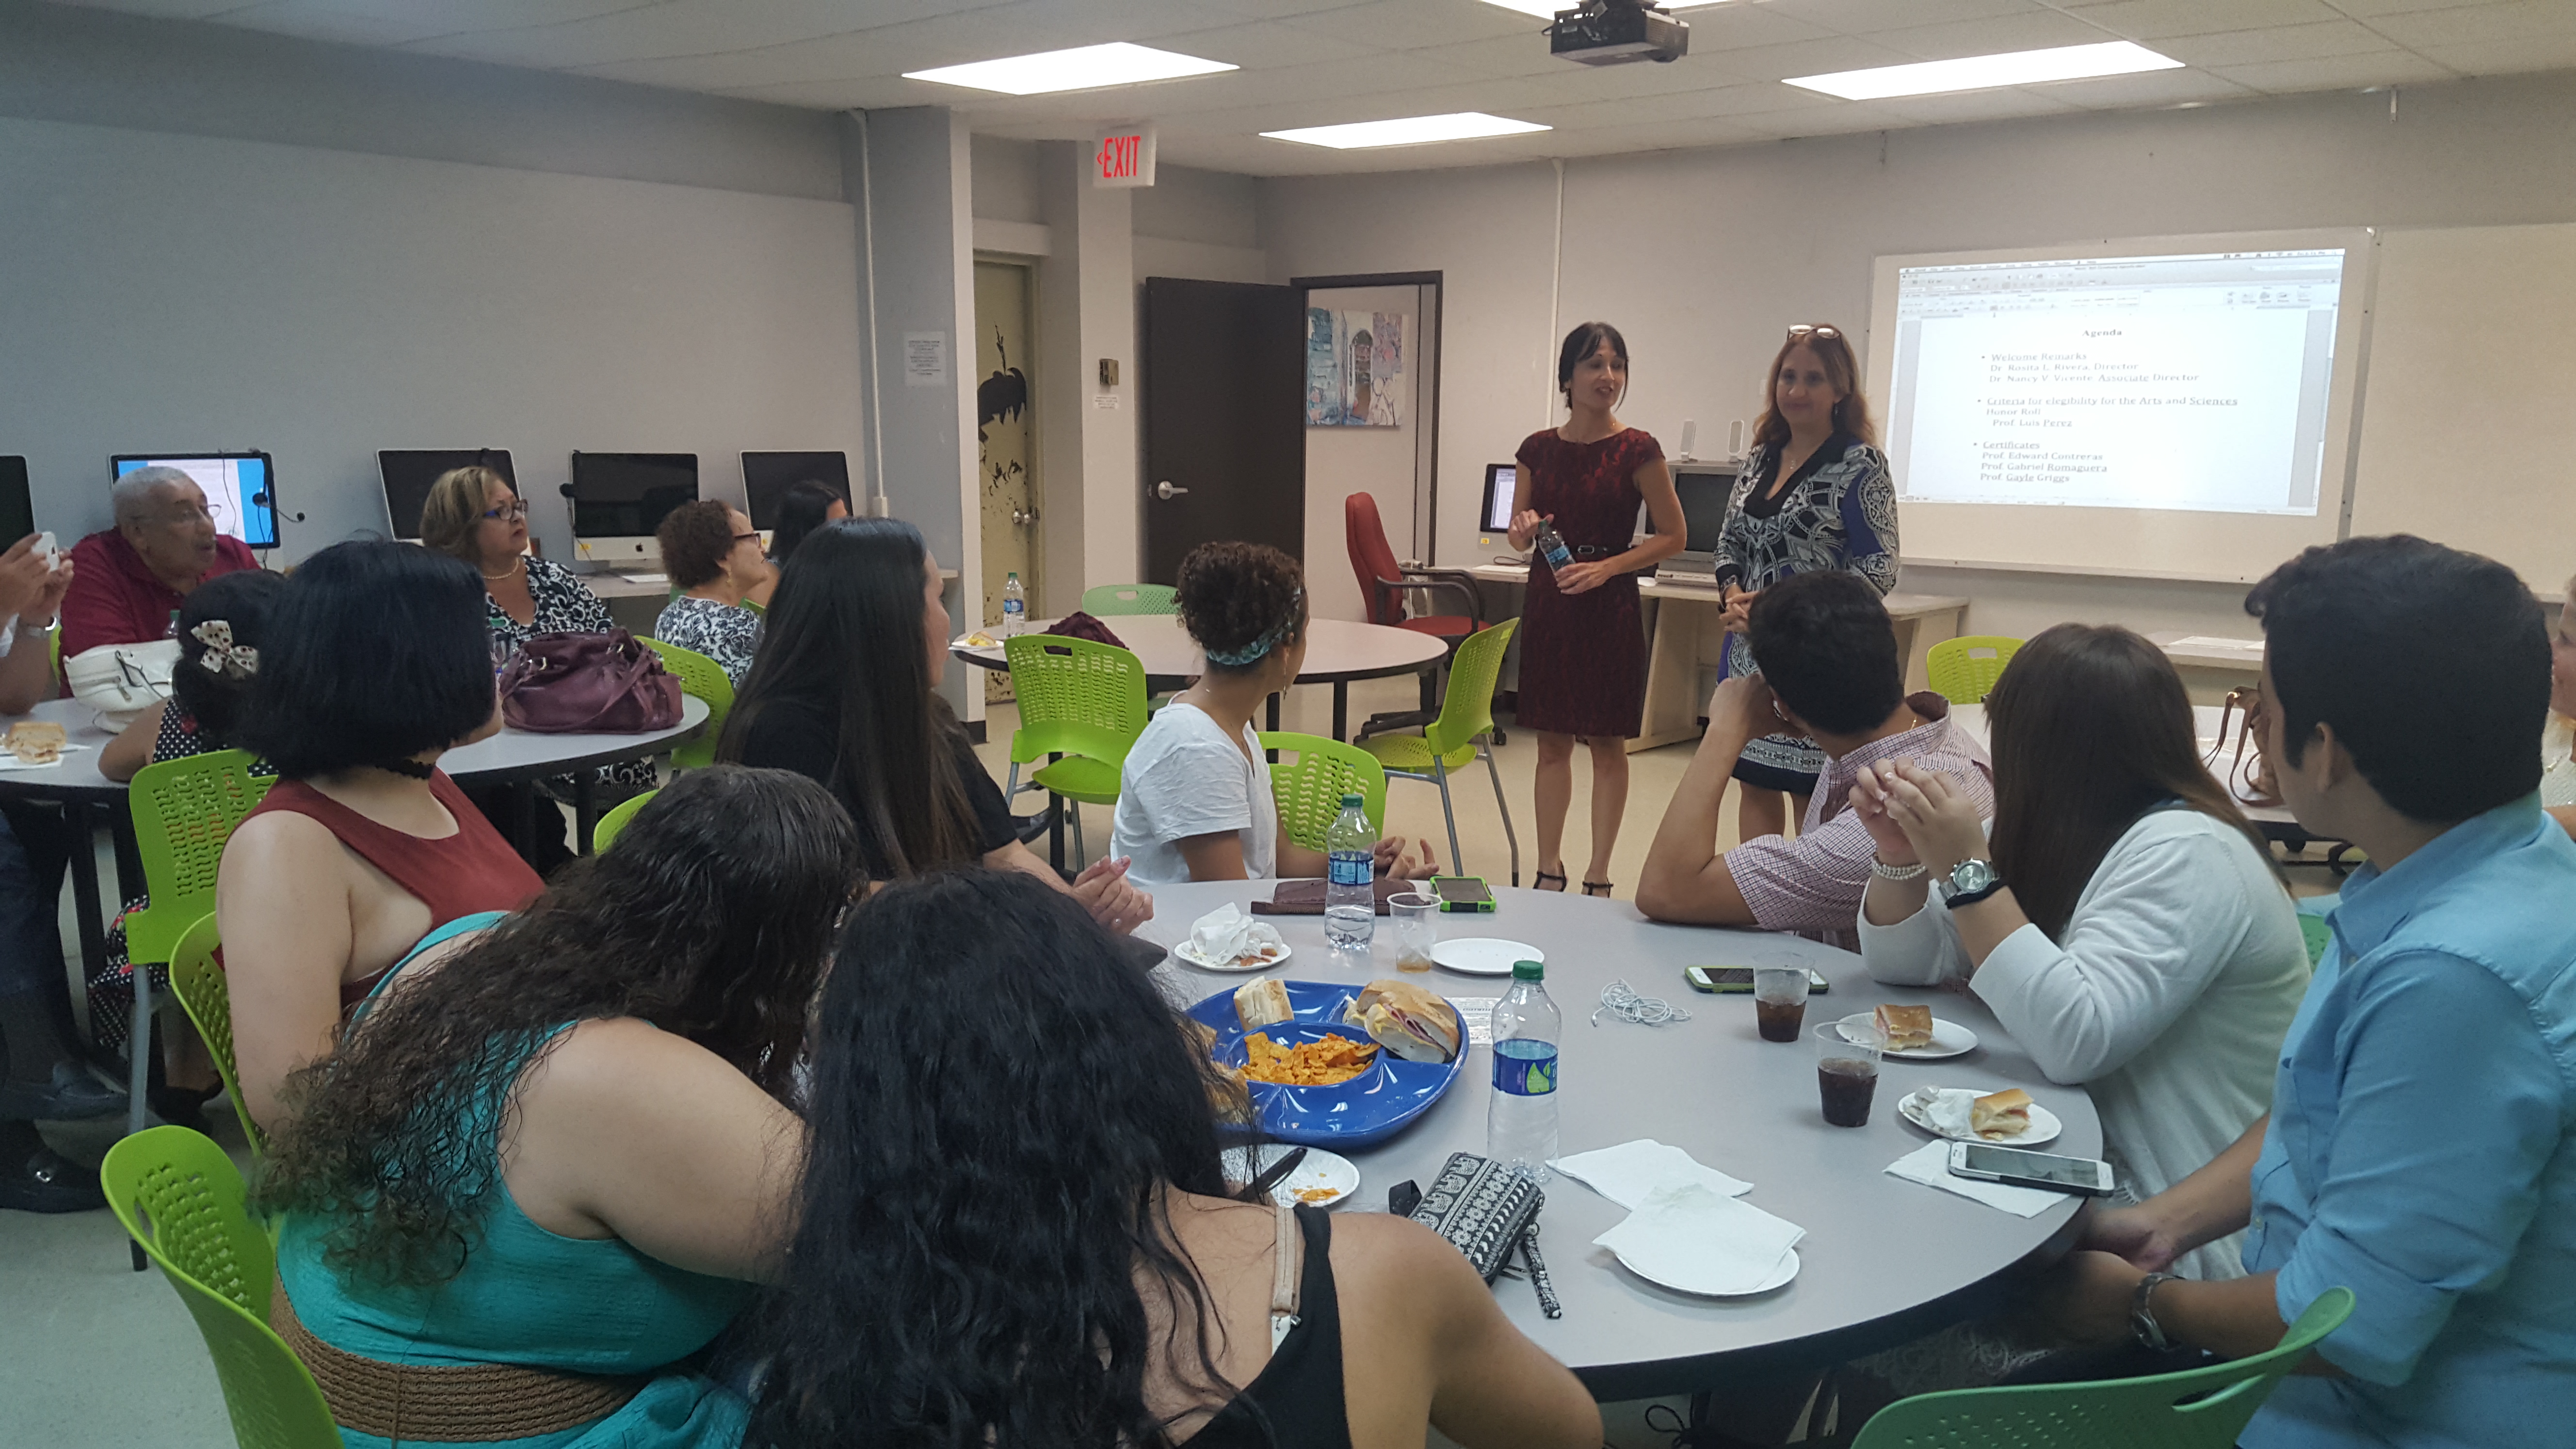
(1324, 1063)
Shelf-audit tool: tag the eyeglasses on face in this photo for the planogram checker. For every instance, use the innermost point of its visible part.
(746, 538)
(510, 512)
(1810, 329)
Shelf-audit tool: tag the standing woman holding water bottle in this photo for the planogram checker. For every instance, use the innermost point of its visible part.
(1583, 643)
(1814, 494)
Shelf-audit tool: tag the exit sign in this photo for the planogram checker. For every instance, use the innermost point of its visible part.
(1123, 156)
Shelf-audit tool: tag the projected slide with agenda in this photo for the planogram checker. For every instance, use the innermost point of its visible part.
(2174, 382)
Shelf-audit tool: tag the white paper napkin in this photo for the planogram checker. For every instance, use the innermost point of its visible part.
(1686, 1235)
(1630, 1172)
(1476, 1014)
(1226, 933)
(1949, 1108)
(1930, 1166)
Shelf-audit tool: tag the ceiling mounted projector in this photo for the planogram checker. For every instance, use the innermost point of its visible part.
(1615, 32)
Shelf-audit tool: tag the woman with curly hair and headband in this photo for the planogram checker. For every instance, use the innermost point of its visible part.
(1194, 798)
(557, 1148)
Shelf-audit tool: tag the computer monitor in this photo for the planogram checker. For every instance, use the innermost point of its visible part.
(240, 488)
(766, 477)
(618, 499)
(1704, 492)
(1501, 482)
(17, 506)
(409, 472)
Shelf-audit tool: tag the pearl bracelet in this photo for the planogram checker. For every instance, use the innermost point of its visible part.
(1884, 871)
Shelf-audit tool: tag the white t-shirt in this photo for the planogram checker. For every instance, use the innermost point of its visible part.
(1185, 778)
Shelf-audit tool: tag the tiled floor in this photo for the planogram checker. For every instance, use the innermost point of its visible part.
(93, 1355)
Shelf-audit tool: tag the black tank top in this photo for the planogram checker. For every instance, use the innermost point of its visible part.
(1296, 1401)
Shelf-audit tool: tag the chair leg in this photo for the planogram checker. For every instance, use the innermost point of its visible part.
(1081, 852)
(1500, 804)
(1440, 777)
(138, 1042)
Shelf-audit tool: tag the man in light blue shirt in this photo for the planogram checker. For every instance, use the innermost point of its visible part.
(2416, 1149)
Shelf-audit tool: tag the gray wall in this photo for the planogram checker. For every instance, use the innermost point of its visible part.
(1703, 258)
(219, 239)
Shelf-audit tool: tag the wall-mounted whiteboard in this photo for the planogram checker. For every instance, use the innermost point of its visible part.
(2468, 433)
(2175, 406)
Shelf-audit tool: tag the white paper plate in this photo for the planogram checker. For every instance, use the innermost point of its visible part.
(2044, 1125)
(1188, 952)
(1949, 1039)
(1788, 1270)
(1325, 1177)
(1484, 955)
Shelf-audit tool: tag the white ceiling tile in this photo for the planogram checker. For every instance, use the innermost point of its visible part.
(1995, 105)
(2148, 20)
(1525, 54)
(2149, 89)
(2368, 9)
(2287, 42)
(165, 9)
(2040, 30)
(2506, 57)
(1734, 27)
(1815, 57)
(1610, 82)
(1862, 17)
(2477, 24)
(344, 25)
(1412, 24)
(1263, 45)
(2337, 72)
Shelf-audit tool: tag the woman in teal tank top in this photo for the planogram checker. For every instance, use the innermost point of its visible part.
(550, 1159)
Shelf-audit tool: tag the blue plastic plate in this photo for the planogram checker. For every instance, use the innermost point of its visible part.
(1364, 1111)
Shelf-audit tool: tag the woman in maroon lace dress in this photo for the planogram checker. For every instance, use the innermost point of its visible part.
(1583, 649)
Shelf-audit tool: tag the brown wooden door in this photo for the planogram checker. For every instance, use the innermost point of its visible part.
(1222, 383)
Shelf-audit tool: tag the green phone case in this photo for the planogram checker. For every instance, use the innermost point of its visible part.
(1483, 907)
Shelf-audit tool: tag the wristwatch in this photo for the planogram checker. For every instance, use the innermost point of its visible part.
(1969, 882)
(2142, 1315)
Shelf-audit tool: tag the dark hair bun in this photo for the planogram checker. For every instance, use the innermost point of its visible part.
(1231, 594)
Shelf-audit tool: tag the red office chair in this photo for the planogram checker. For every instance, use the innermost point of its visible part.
(1384, 587)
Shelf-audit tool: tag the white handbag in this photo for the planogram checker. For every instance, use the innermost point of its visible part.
(121, 681)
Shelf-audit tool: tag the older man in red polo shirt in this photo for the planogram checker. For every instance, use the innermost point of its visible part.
(131, 578)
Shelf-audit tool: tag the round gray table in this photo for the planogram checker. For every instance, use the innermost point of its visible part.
(1884, 1259)
(1337, 652)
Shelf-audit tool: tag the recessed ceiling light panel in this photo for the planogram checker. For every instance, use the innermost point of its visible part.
(1985, 72)
(1083, 68)
(1407, 131)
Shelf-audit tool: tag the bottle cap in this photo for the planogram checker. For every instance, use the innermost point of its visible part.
(1350, 800)
(1529, 971)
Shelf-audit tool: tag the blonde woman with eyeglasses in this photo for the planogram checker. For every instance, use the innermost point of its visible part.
(1814, 494)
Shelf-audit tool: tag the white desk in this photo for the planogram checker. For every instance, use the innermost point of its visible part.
(1688, 634)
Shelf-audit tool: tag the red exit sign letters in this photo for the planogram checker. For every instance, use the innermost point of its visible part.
(1123, 157)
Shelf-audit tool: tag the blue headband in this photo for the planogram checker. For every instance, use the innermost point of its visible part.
(1270, 638)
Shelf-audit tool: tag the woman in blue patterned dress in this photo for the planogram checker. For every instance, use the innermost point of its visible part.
(1814, 494)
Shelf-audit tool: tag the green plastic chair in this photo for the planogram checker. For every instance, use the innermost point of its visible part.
(1460, 734)
(181, 1199)
(208, 999)
(1964, 670)
(607, 827)
(1310, 791)
(2203, 1408)
(184, 811)
(1110, 599)
(700, 678)
(1079, 699)
(2317, 934)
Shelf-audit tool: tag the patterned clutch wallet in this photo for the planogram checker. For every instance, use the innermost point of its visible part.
(1490, 1212)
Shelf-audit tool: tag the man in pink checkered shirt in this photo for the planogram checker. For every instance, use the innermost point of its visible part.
(1830, 670)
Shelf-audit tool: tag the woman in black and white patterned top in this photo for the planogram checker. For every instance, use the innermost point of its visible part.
(712, 553)
(474, 514)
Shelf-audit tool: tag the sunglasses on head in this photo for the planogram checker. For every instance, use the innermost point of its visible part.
(1810, 329)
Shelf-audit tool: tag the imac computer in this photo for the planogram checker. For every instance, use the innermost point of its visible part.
(766, 477)
(618, 500)
(1703, 489)
(409, 472)
(240, 488)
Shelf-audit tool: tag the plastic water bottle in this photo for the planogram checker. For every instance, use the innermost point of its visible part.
(1350, 882)
(1520, 1126)
(1015, 606)
(1551, 546)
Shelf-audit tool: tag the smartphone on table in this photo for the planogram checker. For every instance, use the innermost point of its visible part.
(1462, 892)
(2022, 1167)
(1738, 980)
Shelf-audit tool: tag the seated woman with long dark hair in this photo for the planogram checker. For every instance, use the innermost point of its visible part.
(2135, 937)
(379, 664)
(1015, 1228)
(845, 692)
(555, 1149)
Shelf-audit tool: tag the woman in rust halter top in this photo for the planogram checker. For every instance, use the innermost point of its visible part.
(363, 846)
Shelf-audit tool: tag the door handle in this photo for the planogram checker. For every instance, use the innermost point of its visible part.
(1165, 489)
